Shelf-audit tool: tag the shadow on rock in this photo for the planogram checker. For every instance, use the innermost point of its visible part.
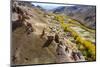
(16, 24)
(48, 42)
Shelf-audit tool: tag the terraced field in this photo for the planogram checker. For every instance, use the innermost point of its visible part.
(85, 34)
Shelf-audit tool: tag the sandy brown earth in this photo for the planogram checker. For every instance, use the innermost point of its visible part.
(28, 48)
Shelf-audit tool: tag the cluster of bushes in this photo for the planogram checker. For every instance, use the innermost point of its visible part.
(59, 18)
(88, 45)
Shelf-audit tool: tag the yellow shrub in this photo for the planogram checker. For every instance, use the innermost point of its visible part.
(87, 44)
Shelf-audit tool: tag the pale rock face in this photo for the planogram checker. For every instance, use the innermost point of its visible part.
(62, 55)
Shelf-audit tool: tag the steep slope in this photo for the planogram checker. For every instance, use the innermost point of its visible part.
(27, 48)
(40, 37)
(83, 13)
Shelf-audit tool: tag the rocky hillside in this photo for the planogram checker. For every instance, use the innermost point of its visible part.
(83, 13)
(40, 37)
